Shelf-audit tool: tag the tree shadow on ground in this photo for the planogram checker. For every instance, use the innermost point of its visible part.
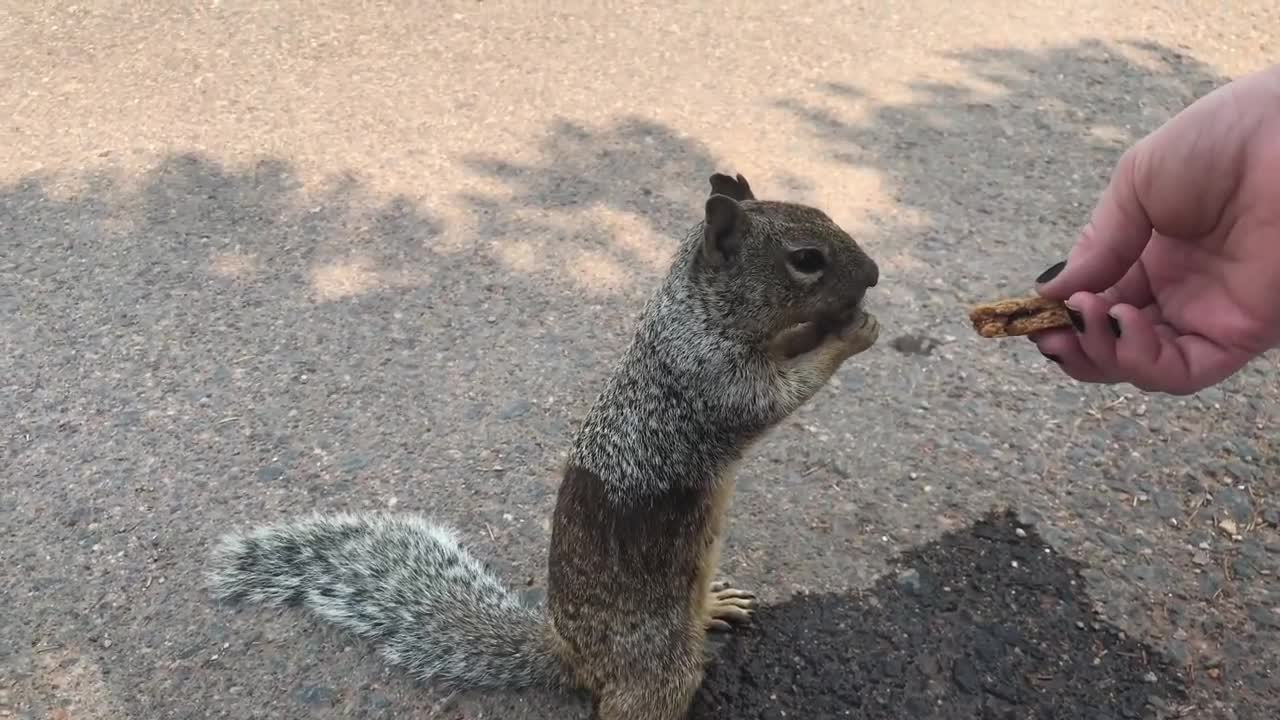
(212, 343)
(181, 347)
(633, 165)
(982, 623)
(1005, 161)
(604, 206)
(993, 172)
(206, 338)
(204, 345)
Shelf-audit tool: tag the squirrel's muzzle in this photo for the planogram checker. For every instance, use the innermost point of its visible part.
(873, 273)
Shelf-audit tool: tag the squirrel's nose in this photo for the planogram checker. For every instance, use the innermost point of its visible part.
(873, 273)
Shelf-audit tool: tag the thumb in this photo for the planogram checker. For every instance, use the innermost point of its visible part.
(1117, 233)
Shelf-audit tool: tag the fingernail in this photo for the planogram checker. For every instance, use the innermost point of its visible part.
(1052, 357)
(1051, 273)
(1077, 319)
(1115, 325)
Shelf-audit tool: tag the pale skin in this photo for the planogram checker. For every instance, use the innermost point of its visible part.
(1175, 282)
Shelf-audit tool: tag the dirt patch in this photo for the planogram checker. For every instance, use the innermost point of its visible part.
(58, 683)
(987, 623)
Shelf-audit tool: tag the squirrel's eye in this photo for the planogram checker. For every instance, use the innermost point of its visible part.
(807, 260)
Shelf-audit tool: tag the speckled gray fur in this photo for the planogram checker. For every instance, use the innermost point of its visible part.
(695, 387)
(398, 580)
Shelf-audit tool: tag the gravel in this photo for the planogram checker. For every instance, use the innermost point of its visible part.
(237, 285)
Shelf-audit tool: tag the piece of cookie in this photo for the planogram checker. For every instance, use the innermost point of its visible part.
(1018, 316)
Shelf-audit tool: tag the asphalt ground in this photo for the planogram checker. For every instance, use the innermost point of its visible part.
(263, 259)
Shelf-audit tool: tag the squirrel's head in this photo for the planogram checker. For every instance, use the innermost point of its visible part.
(778, 265)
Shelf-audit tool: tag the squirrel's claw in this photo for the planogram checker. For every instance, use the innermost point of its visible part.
(714, 625)
(727, 605)
(722, 591)
(860, 335)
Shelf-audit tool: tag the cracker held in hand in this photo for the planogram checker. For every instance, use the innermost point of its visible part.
(1020, 316)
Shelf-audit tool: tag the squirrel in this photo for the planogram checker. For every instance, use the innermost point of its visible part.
(762, 303)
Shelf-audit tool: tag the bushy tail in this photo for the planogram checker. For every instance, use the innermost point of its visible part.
(405, 584)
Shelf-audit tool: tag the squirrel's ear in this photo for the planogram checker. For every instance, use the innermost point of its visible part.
(722, 237)
(736, 188)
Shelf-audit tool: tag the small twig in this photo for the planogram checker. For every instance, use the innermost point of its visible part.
(1097, 411)
(1133, 420)
(1196, 509)
(1044, 476)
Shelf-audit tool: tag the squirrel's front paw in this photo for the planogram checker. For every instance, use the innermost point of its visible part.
(859, 335)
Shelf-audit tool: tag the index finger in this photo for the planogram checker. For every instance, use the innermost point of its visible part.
(1118, 231)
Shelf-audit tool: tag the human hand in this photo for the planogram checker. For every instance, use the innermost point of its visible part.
(1174, 285)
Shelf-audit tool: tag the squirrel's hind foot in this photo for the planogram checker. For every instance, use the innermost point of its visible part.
(727, 606)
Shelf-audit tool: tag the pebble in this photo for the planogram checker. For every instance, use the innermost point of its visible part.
(515, 409)
(1241, 471)
(1112, 541)
(1146, 574)
(1243, 569)
(909, 580)
(914, 344)
(1194, 484)
(1235, 503)
(533, 597)
(270, 473)
(1128, 431)
(965, 676)
(1265, 617)
(378, 701)
(1202, 539)
(1210, 585)
(316, 695)
(1168, 504)
(1054, 537)
(1178, 652)
(352, 463)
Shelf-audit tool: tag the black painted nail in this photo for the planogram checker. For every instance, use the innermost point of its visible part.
(1052, 357)
(1076, 319)
(1051, 273)
(1115, 325)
